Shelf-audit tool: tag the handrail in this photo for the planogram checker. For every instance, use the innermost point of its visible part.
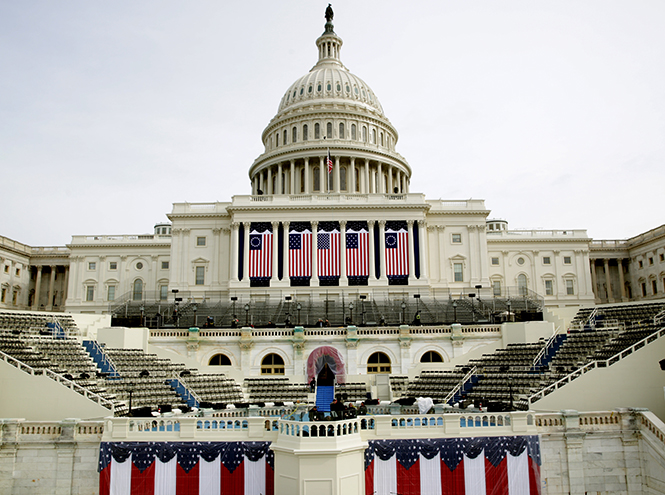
(60, 379)
(461, 383)
(546, 347)
(596, 364)
(190, 393)
(106, 359)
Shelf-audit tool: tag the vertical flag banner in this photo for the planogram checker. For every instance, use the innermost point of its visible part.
(260, 254)
(451, 466)
(172, 468)
(329, 163)
(328, 253)
(357, 252)
(397, 252)
(300, 253)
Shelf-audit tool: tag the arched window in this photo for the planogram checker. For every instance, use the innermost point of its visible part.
(378, 362)
(373, 137)
(272, 364)
(353, 131)
(329, 130)
(305, 130)
(219, 360)
(285, 136)
(431, 357)
(317, 131)
(276, 139)
(341, 130)
(521, 284)
(294, 138)
(137, 292)
(381, 139)
(316, 179)
(364, 135)
(342, 178)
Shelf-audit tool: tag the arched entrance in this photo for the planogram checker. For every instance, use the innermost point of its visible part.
(321, 356)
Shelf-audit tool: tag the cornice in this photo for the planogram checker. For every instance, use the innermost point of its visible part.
(540, 240)
(422, 207)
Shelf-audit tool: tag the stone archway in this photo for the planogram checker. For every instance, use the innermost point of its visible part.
(323, 355)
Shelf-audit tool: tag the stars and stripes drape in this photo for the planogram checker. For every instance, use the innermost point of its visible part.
(177, 468)
(451, 466)
(260, 254)
(328, 253)
(300, 253)
(397, 252)
(357, 252)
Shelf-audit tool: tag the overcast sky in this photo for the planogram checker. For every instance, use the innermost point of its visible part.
(553, 112)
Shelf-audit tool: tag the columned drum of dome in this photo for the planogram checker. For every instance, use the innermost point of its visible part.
(329, 111)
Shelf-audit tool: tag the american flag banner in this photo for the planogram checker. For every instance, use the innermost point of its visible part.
(452, 466)
(300, 253)
(357, 252)
(327, 254)
(397, 252)
(174, 468)
(329, 163)
(260, 254)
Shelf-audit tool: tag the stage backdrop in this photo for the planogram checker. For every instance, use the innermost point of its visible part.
(447, 466)
(186, 468)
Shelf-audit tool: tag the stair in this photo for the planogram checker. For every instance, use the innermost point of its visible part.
(100, 358)
(183, 392)
(324, 396)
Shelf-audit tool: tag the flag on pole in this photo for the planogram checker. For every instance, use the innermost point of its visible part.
(357, 253)
(171, 468)
(442, 466)
(397, 252)
(300, 253)
(260, 254)
(329, 162)
(328, 253)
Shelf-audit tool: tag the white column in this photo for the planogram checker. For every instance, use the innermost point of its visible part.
(323, 176)
(622, 282)
(308, 186)
(372, 262)
(399, 181)
(280, 179)
(269, 180)
(473, 279)
(366, 187)
(382, 250)
(51, 284)
(412, 260)
(315, 244)
(423, 240)
(336, 184)
(443, 260)
(285, 253)
(292, 177)
(216, 248)
(275, 244)
(343, 280)
(245, 254)
(379, 179)
(389, 171)
(351, 179)
(38, 288)
(234, 251)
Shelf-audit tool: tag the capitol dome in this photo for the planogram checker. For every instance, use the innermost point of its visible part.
(329, 112)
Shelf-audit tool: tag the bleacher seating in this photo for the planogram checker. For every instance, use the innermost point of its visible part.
(275, 390)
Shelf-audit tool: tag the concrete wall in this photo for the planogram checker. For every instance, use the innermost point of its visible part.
(40, 398)
(124, 338)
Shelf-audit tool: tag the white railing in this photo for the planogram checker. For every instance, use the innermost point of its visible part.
(461, 383)
(546, 347)
(60, 379)
(596, 364)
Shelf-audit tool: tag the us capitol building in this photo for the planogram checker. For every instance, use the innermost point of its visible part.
(330, 220)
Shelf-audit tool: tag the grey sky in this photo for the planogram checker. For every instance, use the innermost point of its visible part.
(553, 112)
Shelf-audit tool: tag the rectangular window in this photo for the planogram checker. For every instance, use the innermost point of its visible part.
(165, 265)
(549, 287)
(111, 293)
(163, 292)
(662, 257)
(200, 241)
(546, 260)
(4, 294)
(640, 264)
(567, 260)
(90, 293)
(18, 272)
(6, 268)
(457, 238)
(650, 260)
(458, 269)
(496, 287)
(92, 265)
(200, 275)
(113, 265)
(495, 261)
(570, 288)
(644, 289)
(654, 286)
